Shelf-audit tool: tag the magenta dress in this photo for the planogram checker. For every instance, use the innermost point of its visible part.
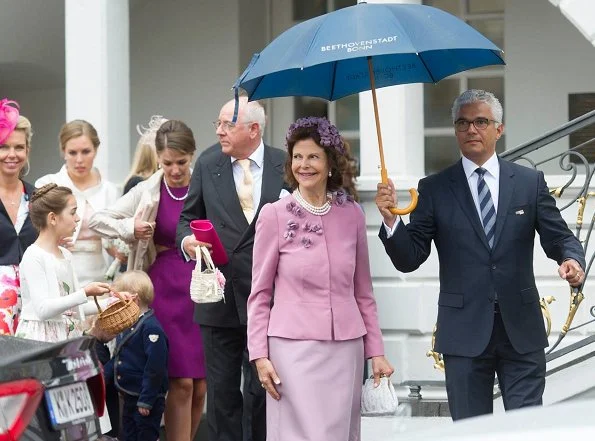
(171, 275)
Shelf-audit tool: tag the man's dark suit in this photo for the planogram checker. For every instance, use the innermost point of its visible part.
(472, 274)
(213, 196)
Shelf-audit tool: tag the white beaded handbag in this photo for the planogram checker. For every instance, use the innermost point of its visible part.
(206, 286)
(381, 400)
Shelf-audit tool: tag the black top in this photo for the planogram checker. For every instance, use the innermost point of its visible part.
(13, 245)
(130, 183)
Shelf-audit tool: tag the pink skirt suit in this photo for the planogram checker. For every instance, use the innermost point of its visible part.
(312, 312)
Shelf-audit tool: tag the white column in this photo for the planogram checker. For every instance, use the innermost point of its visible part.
(98, 77)
(407, 303)
(400, 110)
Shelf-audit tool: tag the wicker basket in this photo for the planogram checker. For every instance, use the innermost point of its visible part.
(118, 316)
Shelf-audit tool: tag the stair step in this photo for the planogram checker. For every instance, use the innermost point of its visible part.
(427, 408)
(390, 428)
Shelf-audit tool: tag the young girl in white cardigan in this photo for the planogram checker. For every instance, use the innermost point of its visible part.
(53, 303)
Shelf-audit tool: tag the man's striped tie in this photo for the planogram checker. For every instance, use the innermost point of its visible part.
(486, 206)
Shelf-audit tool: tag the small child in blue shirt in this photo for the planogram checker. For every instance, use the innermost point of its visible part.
(139, 365)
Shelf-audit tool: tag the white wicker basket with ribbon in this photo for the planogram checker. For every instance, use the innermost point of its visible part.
(207, 285)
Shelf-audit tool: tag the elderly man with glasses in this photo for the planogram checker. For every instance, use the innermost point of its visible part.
(230, 183)
(482, 214)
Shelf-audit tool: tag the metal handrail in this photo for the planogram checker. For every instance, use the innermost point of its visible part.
(570, 348)
(549, 137)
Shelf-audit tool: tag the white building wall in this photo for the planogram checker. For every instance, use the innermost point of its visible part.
(32, 73)
(46, 109)
(184, 60)
(547, 58)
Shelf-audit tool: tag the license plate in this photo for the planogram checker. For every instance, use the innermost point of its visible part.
(70, 403)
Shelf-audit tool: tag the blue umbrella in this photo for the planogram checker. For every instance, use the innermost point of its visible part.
(334, 55)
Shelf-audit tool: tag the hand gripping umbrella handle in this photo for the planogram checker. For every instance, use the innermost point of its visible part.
(412, 192)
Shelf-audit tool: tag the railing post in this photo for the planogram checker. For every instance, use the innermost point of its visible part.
(414, 392)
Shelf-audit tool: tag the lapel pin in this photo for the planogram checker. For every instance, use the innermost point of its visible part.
(519, 212)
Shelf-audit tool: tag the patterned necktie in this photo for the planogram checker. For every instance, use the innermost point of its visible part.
(245, 192)
(486, 206)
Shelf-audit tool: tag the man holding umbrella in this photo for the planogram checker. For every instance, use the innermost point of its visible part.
(482, 214)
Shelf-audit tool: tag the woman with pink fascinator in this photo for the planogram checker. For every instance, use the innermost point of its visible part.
(16, 230)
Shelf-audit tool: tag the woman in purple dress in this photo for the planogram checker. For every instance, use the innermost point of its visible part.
(146, 218)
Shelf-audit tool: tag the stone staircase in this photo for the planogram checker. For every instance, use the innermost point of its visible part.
(423, 410)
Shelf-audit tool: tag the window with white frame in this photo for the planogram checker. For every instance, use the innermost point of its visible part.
(344, 113)
(486, 16)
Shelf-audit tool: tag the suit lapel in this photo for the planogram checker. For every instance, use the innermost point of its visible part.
(460, 188)
(222, 176)
(506, 189)
(272, 183)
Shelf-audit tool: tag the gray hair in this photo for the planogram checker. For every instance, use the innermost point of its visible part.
(478, 96)
(254, 112)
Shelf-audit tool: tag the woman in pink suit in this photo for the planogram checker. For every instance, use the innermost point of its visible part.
(312, 316)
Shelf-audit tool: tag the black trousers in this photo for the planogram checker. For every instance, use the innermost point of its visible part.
(136, 427)
(470, 380)
(232, 414)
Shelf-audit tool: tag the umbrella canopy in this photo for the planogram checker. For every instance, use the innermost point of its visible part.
(364, 47)
(327, 56)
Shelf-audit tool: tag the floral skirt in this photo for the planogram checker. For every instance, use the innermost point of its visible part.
(10, 299)
(51, 331)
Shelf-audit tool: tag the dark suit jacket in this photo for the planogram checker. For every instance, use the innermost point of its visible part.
(213, 196)
(13, 245)
(470, 273)
(139, 365)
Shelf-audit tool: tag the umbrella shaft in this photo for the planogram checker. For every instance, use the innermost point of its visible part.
(383, 172)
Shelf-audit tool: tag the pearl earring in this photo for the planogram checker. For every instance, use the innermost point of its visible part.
(330, 173)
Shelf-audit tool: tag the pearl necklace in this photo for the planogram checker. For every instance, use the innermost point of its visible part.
(171, 195)
(317, 211)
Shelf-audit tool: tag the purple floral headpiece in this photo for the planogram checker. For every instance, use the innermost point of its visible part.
(329, 135)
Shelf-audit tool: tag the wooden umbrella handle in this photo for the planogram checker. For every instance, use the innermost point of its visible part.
(412, 192)
(383, 172)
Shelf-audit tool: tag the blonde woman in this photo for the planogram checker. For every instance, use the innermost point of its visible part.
(144, 163)
(78, 145)
(16, 230)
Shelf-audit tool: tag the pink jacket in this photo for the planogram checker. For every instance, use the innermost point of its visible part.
(320, 270)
